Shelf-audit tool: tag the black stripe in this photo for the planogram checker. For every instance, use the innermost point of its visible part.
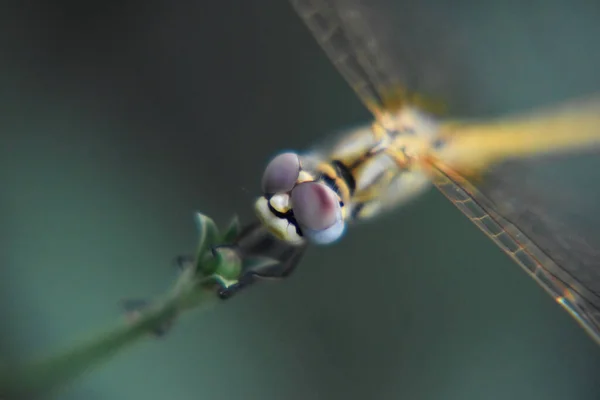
(356, 209)
(344, 173)
(288, 216)
(329, 181)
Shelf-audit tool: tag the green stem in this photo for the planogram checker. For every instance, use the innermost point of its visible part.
(194, 287)
(56, 371)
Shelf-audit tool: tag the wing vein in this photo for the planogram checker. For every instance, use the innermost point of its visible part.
(562, 286)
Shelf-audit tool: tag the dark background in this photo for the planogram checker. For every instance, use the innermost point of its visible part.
(119, 119)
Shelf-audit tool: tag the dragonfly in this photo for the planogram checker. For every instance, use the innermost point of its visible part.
(488, 168)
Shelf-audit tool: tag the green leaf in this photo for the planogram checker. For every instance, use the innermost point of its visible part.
(208, 233)
(232, 231)
(229, 265)
(223, 282)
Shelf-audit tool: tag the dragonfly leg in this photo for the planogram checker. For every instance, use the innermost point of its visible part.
(259, 270)
(263, 258)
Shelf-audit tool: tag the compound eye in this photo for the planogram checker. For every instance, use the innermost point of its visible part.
(318, 212)
(281, 173)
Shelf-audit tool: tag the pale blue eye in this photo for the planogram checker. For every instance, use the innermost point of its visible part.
(325, 236)
(318, 212)
(281, 173)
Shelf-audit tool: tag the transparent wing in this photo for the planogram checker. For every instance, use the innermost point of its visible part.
(346, 53)
(530, 184)
(475, 57)
(349, 35)
(555, 241)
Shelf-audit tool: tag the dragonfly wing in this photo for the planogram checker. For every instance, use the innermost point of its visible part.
(558, 248)
(327, 26)
(351, 33)
(525, 186)
(476, 57)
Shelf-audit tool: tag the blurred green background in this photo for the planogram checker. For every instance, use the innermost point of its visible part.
(120, 119)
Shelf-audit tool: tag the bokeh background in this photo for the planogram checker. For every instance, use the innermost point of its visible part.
(120, 119)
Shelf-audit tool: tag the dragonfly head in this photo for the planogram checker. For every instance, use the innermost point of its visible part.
(295, 206)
